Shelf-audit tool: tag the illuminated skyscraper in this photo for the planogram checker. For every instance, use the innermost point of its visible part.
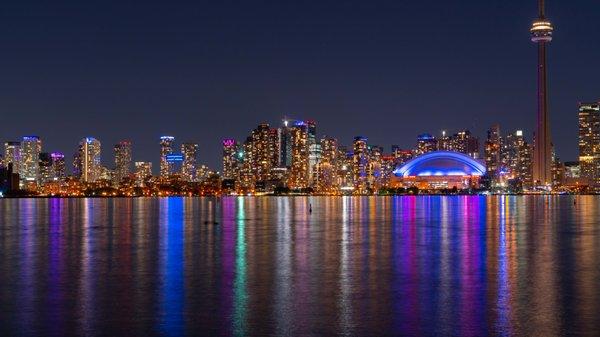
(374, 169)
(493, 151)
(91, 168)
(360, 163)
(230, 159)
(517, 158)
(314, 157)
(143, 171)
(31, 146)
(45, 165)
(122, 161)
(166, 148)
(299, 174)
(462, 141)
(541, 33)
(190, 159)
(426, 143)
(263, 152)
(589, 141)
(328, 166)
(12, 155)
(59, 171)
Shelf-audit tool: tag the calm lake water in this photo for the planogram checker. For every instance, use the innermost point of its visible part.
(373, 266)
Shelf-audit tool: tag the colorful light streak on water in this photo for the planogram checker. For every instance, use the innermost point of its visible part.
(267, 266)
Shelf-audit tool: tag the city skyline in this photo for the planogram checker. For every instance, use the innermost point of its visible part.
(383, 101)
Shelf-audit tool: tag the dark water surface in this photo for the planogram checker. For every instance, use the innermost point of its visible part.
(372, 266)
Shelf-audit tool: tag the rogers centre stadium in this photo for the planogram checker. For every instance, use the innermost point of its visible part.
(440, 169)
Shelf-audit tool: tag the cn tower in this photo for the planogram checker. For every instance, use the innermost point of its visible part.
(541, 33)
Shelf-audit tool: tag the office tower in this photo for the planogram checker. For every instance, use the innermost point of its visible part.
(328, 166)
(246, 176)
(493, 147)
(12, 155)
(59, 170)
(286, 142)
(89, 158)
(314, 157)
(589, 141)
(31, 146)
(230, 159)
(517, 158)
(360, 163)
(263, 152)
(462, 141)
(190, 159)
(298, 175)
(122, 161)
(426, 143)
(345, 170)
(45, 165)
(77, 163)
(465, 142)
(444, 143)
(557, 169)
(143, 171)
(374, 168)
(166, 148)
(541, 34)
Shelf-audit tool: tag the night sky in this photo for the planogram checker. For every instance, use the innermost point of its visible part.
(203, 71)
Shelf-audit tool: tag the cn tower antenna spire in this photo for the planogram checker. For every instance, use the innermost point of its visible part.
(542, 8)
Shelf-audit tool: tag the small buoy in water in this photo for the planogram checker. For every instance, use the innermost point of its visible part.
(310, 208)
(575, 202)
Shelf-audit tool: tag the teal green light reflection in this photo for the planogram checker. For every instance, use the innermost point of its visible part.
(239, 285)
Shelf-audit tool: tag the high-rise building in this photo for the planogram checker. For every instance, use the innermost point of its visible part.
(541, 34)
(285, 144)
(246, 176)
(299, 170)
(426, 143)
(314, 157)
(166, 148)
(263, 152)
(91, 168)
(45, 165)
(190, 161)
(12, 155)
(589, 141)
(462, 141)
(327, 171)
(360, 164)
(143, 171)
(78, 163)
(122, 161)
(31, 146)
(59, 169)
(374, 168)
(517, 158)
(401, 156)
(493, 150)
(231, 159)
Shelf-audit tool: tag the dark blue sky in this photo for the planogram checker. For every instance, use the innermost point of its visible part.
(203, 71)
